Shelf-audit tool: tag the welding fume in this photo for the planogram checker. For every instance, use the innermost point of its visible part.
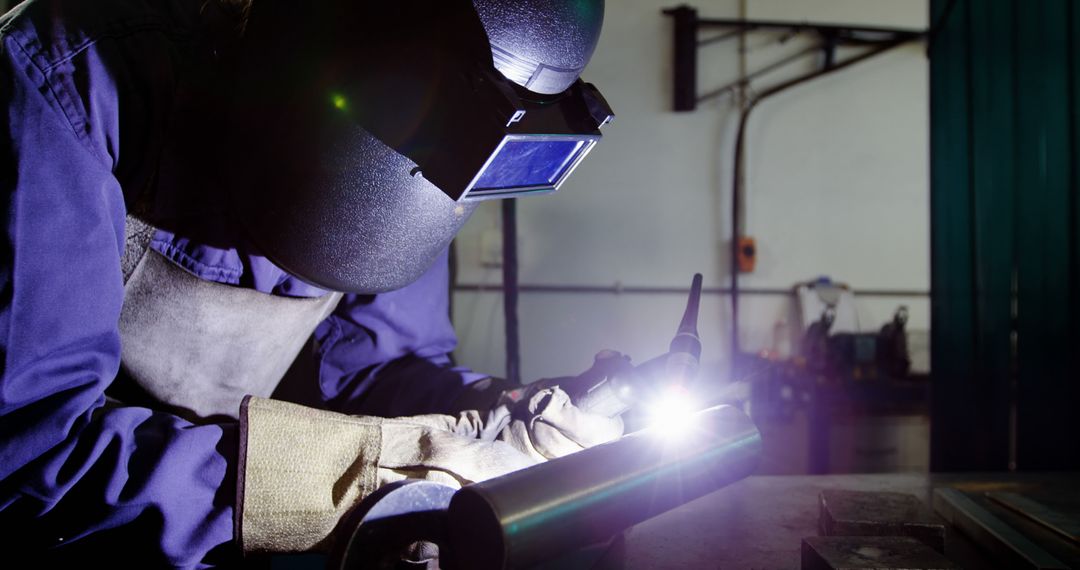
(226, 329)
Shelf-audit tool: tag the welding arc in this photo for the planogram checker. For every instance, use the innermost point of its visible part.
(536, 514)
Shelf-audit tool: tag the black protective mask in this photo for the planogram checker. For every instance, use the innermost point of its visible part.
(366, 132)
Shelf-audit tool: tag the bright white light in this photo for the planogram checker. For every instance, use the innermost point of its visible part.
(673, 413)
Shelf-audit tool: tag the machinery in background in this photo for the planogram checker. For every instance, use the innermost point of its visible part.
(860, 356)
(848, 399)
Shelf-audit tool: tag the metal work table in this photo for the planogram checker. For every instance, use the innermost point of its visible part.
(760, 522)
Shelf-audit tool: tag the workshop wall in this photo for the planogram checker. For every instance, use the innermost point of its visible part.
(837, 184)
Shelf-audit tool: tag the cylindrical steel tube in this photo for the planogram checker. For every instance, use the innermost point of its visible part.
(526, 517)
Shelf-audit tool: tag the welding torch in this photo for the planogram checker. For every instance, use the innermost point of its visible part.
(540, 513)
(614, 386)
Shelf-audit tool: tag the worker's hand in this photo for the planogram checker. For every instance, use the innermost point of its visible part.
(446, 449)
(547, 425)
(489, 394)
(302, 469)
(538, 419)
(541, 420)
(605, 364)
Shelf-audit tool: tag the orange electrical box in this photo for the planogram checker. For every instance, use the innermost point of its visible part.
(747, 254)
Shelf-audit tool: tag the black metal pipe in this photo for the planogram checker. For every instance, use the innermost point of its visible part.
(642, 290)
(510, 290)
(533, 515)
(758, 73)
(737, 178)
(743, 81)
(686, 48)
(777, 24)
(721, 37)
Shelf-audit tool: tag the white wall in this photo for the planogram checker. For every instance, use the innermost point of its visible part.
(837, 185)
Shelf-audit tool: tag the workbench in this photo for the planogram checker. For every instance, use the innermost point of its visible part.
(760, 522)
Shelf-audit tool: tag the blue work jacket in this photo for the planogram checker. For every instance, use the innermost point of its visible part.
(90, 92)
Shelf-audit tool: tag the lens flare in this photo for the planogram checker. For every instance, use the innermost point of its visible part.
(339, 101)
(673, 413)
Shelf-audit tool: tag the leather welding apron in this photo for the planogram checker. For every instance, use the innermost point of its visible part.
(198, 347)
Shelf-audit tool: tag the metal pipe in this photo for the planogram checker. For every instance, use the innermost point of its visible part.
(510, 291)
(686, 49)
(744, 81)
(735, 23)
(532, 515)
(720, 38)
(737, 178)
(645, 290)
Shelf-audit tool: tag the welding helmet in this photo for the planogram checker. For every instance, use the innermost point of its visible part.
(367, 131)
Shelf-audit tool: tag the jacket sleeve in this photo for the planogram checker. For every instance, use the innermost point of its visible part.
(389, 354)
(80, 478)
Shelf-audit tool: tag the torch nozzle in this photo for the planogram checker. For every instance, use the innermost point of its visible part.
(693, 304)
(685, 349)
(623, 385)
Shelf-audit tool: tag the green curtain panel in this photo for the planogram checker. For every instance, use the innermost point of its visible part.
(1005, 250)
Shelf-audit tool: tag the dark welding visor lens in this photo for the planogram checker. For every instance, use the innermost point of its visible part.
(482, 137)
(529, 163)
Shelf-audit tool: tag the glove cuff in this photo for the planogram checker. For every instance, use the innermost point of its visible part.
(300, 471)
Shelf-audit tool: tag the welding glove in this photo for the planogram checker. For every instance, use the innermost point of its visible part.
(543, 421)
(547, 425)
(302, 469)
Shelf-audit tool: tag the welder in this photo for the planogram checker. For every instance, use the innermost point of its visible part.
(208, 203)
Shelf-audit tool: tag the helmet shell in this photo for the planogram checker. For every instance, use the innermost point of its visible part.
(542, 45)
